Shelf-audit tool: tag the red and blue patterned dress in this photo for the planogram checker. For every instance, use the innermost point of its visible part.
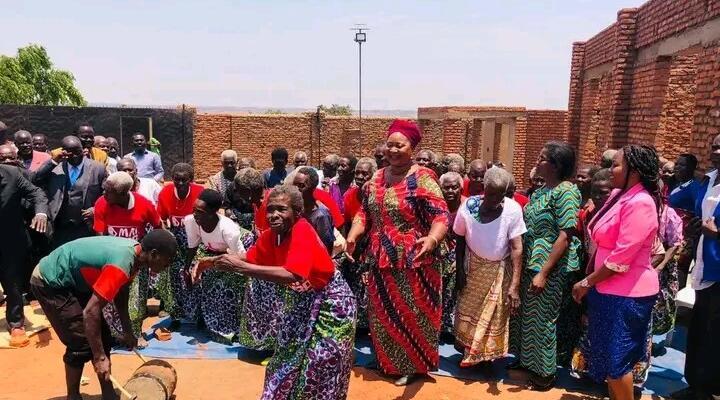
(316, 332)
(404, 295)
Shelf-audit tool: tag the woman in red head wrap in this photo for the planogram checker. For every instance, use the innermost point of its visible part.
(405, 217)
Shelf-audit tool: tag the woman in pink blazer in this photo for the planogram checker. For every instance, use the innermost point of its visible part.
(623, 286)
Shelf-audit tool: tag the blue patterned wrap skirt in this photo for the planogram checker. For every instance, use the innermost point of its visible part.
(618, 328)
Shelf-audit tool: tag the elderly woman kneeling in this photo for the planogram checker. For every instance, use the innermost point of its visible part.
(489, 233)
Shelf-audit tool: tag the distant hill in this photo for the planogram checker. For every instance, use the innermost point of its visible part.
(262, 110)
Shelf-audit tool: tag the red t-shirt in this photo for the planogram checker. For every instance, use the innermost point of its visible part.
(521, 199)
(352, 203)
(171, 208)
(130, 223)
(466, 187)
(302, 253)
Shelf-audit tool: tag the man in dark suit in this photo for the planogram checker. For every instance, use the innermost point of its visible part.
(14, 188)
(73, 183)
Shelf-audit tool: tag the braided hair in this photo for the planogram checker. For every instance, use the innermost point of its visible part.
(644, 160)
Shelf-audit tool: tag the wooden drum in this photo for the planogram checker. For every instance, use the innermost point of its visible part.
(154, 380)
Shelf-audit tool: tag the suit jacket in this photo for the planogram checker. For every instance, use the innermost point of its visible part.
(14, 188)
(53, 177)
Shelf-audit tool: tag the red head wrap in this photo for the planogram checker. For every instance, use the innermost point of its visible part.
(408, 129)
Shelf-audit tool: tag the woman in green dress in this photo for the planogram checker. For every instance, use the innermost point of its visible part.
(551, 258)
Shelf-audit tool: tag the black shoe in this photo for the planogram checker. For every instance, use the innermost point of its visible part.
(541, 383)
(685, 394)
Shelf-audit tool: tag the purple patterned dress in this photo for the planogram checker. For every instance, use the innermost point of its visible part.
(313, 356)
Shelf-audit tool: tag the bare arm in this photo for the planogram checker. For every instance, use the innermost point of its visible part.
(669, 254)
(92, 322)
(556, 253)
(516, 251)
(460, 276)
(236, 263)
(121, 303)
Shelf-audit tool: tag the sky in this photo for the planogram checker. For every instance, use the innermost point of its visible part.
(298, 53)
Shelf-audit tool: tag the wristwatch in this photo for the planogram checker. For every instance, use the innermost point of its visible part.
(584, 283)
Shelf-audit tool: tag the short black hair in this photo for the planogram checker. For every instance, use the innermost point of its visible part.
(81, 124)
(212, 199)
(161, 240)
(312, 175)
(562, 156)
(182, 167)
(692, 161)
(352, 160)
(602, 175)
(279, 153)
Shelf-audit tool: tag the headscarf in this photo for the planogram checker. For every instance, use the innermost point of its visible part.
(408, 129)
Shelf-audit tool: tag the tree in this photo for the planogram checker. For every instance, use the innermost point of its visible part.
(29, 78)
(336, 109)
(273, 111)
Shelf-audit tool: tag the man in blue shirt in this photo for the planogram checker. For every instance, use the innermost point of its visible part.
(148, 163)
(276, 175)
(702, 369)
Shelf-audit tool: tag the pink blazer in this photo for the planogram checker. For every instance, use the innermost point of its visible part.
(38, 160)
(624, 237)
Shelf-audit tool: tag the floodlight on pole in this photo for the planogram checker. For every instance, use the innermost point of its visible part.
(360, 38)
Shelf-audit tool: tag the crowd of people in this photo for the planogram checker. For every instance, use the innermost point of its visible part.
(408, 246)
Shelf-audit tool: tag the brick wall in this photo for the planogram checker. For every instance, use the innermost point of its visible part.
(257, 135)
(542, 127)
(649, 78)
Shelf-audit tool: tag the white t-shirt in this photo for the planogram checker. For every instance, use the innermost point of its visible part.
(225, 237)
(149, 189)
(490, 241)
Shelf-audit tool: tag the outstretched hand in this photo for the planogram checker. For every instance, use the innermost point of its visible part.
(427, 244)
(201, 266)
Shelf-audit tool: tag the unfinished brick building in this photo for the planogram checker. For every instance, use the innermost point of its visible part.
(652, 77)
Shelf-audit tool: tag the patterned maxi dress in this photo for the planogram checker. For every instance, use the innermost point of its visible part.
(181, 300)
(404, 296)
(534, 333)
(313, 355)
(262, 306)
(222, 296)
(671, 234)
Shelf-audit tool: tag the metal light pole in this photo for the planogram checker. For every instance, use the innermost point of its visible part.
(360, 38)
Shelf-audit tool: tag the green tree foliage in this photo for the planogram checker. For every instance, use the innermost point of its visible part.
(29, 78)
(336, 109)
(273, 111)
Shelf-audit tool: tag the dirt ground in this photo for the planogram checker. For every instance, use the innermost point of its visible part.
(36, 373)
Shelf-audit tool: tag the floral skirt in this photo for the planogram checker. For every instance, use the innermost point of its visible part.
(261, 314)
(355, 274)
(663, 315)
(313, 355)
(404, 312)
(137, 306)
(448, 290)
(482, 313)
(181, 300)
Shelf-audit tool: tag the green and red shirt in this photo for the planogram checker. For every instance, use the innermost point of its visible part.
(101, 264)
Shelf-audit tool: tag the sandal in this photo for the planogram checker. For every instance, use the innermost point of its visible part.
(18, 338)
